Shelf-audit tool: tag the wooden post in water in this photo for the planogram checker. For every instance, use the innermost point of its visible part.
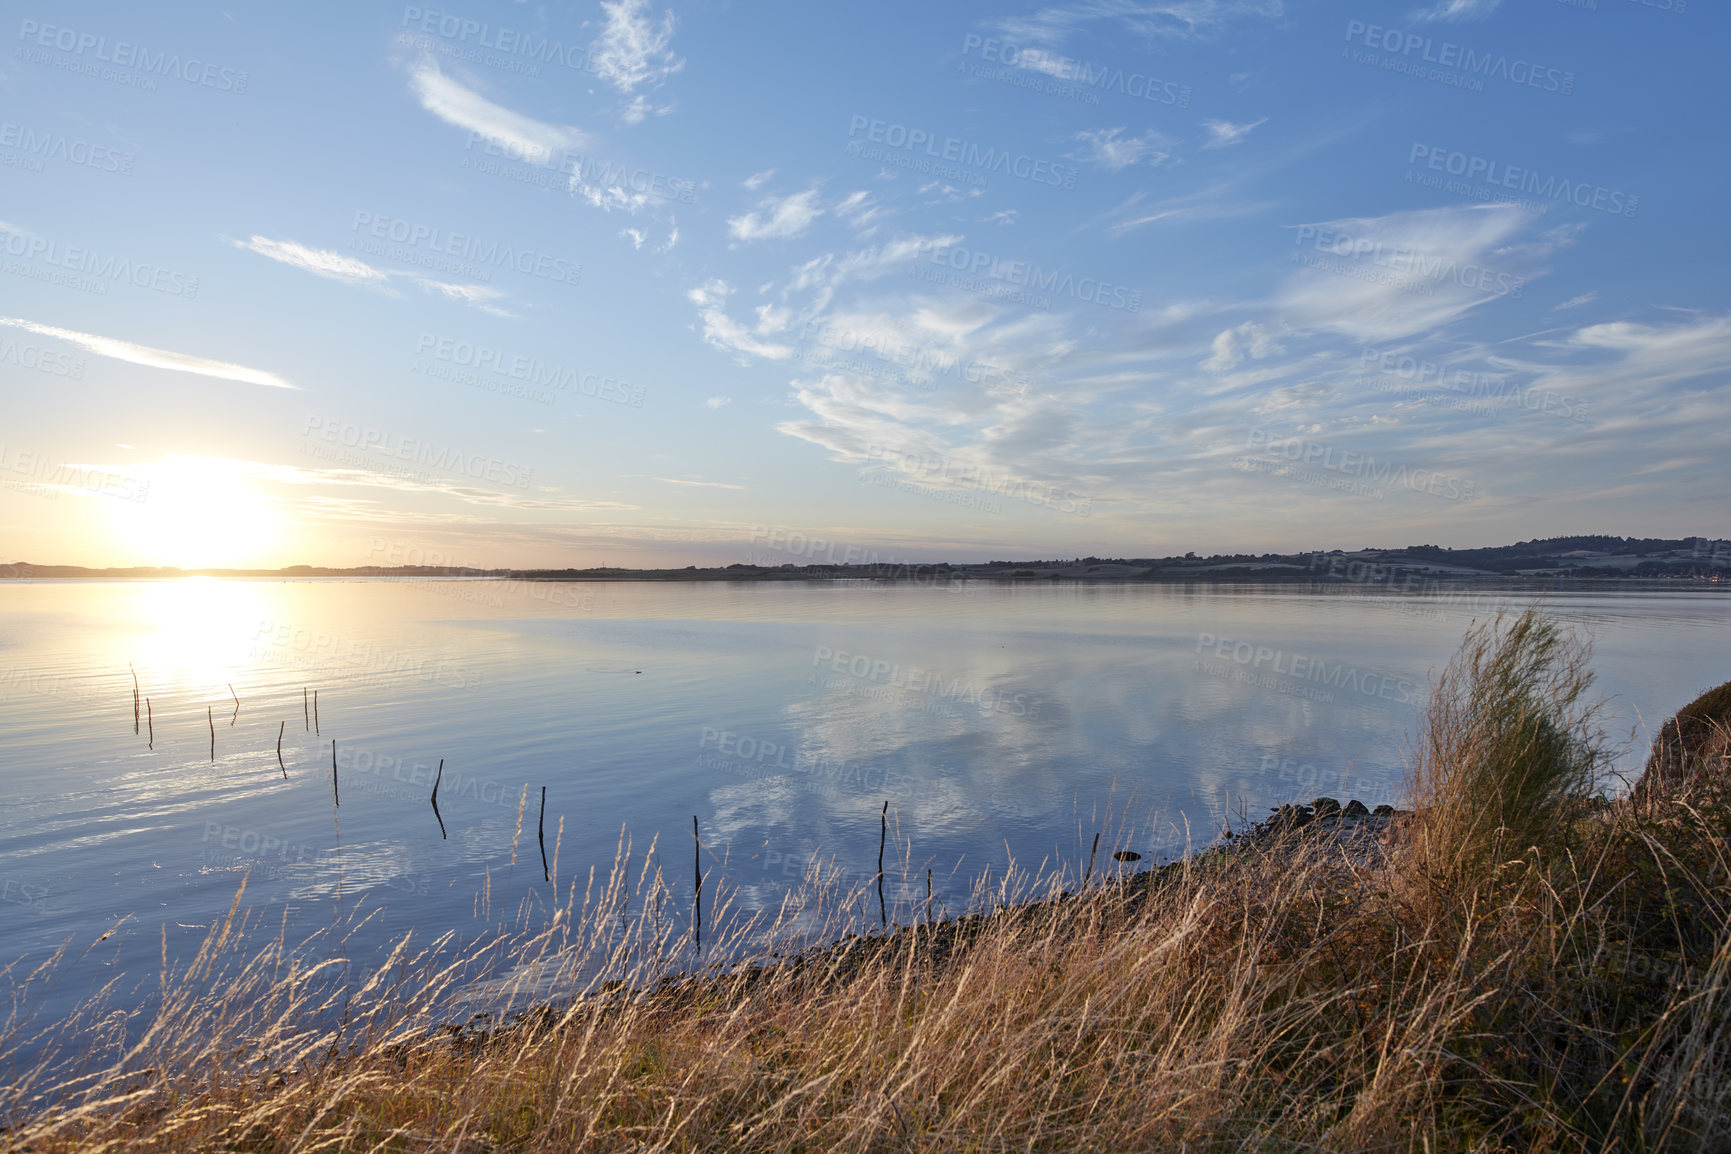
(151, 717)
(306, 713)
(236, 697)
(883, 834)
(134, 699)
(279, 731)
(334, 798)
(436, 782)
(541, 835)
(212, 721)
(316, 713)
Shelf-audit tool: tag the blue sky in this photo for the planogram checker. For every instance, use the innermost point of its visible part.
(639, 284)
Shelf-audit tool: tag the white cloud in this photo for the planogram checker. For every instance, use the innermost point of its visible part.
(777, 217)
(1224, 133)
(637, 235)
(1452, 10)
(702, 484)
(860, 211)
(1232, 344)
(718, 402)
(318, 261)
(451, 102)
(1107, 148)
(152, 357)
(1151, 19)
(1387, 277)
(723, 331)
(1575, 302)
(1003, 216)
(758, 180)
(633, 49)
(335, 266)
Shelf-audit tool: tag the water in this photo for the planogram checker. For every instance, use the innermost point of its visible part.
(1001, 723)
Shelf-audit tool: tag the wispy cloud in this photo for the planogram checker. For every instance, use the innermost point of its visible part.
(1151, 19)
(152, 357)
(758, 180)
(634, 49)
(696, 484)
(467, 109)
(1108, 148)
(1452, 10)
(777, 217)
(724, 332)
(318, 261)
(338, 267)
(713, 403)
(1224, 133)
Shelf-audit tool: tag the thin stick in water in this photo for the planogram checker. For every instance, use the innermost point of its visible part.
(236, 697)
(306, 714)
(212, 720)
(1089, 872)
(151, 717)
(541, 836)
(134, 699)
(436, 782)
(315, 713)
(883, 834)
(334, 799)
(697, 870)
(279, 732)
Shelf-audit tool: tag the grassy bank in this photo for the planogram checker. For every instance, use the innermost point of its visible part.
(1514, 966)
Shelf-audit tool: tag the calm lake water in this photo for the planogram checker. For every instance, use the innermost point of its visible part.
(999, 723)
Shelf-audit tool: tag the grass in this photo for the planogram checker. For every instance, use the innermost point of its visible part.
(1523, 970)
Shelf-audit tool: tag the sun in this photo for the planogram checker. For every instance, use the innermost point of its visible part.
(197, 513)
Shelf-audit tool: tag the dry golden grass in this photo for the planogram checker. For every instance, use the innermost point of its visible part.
(1278, 994)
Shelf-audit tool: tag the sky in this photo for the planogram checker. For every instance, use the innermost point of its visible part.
(637, 284)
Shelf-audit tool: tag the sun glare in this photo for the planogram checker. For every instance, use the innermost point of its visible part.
(201, 630)
(197, 513)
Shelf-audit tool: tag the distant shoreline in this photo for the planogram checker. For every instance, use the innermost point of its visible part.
(1412, 569)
